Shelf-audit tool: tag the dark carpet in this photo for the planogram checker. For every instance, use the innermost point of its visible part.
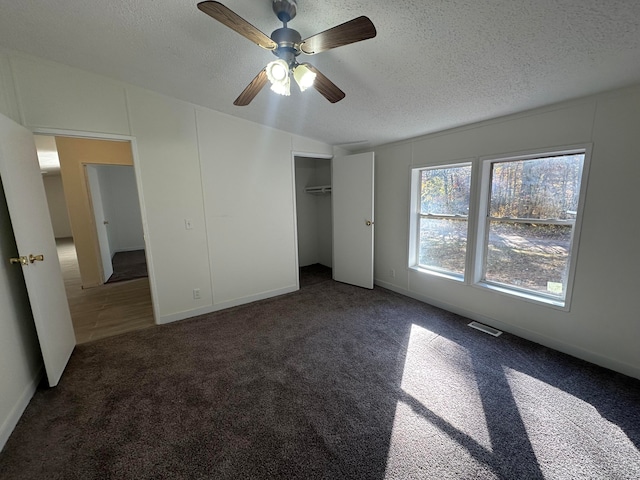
(128, 266)
(330, 382)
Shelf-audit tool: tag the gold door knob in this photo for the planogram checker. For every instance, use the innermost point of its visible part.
(21, 260)
(368, 223)
(33, 258)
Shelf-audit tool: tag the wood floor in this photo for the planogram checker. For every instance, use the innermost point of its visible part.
(107, 310)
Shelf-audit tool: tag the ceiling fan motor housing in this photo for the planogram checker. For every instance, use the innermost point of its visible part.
(288, 41)
(285, 10)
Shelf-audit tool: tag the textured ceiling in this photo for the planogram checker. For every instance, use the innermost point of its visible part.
(434, 64)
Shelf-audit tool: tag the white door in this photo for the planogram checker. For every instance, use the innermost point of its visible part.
(31, 222)
(352, 200)
(102, 224)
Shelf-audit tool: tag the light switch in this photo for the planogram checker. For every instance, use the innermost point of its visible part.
(188, 224)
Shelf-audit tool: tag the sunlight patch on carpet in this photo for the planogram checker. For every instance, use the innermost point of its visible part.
(550, 415)
(418, 445)
(441, 408)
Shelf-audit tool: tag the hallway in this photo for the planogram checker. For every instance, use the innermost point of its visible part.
(107, 310)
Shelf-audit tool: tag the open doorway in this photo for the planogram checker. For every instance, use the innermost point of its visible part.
(313, 218)
(91, 173)
(114, 200)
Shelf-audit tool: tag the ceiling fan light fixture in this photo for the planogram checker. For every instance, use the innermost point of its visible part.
(303, 76)
(286, 44)
(278, 75)
(277, 71)
(282, 88)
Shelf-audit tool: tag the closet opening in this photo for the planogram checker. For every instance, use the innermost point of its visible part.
(314, 219)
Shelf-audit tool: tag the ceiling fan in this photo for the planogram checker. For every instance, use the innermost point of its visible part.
(287, 44)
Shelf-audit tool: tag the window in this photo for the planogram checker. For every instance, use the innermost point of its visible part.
(443, 210)
(525, 231)
(530, 222)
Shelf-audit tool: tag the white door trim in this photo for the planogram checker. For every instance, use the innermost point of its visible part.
(143, 211)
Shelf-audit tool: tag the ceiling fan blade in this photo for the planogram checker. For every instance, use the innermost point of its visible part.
(326, 87)
(252, 89)
(355, 30)
(235, 22)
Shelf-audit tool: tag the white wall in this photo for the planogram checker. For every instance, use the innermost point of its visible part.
(248, 189)
(190, 167)
(121, 207)
(50, 95)
(603, 325)
(20, 360)
(8, 99)
(232, 179)
(57, 205)
(313, 212)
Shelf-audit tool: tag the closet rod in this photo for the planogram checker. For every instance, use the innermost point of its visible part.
(319, 190)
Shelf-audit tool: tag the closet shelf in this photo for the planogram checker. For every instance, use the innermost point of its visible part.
(318, 190)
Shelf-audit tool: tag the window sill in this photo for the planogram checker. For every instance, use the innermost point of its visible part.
(562, 305)
(436, 273)
(528, 297)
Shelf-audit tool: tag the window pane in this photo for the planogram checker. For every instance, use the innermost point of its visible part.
(542, 188)
(443, 244)
(445, 191)
(529, 256)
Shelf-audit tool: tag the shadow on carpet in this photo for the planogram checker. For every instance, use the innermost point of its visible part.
(313, 274)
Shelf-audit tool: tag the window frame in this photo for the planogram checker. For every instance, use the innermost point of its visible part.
(482, 229)
(478, 223)
(416, 215)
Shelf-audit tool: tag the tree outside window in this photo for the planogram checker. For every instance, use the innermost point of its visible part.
(525, 230)
(531, 219)
(444, 211)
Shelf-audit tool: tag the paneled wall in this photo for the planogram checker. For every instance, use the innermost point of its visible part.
(216, 195)
(603, 324)
(51, 95)
(217, 192)
(248, 186)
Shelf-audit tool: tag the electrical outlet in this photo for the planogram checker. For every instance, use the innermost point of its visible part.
(392, 272)
(196, 294)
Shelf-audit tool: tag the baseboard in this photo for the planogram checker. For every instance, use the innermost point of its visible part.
(563, 347)
(174, 317)
(9, 424)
